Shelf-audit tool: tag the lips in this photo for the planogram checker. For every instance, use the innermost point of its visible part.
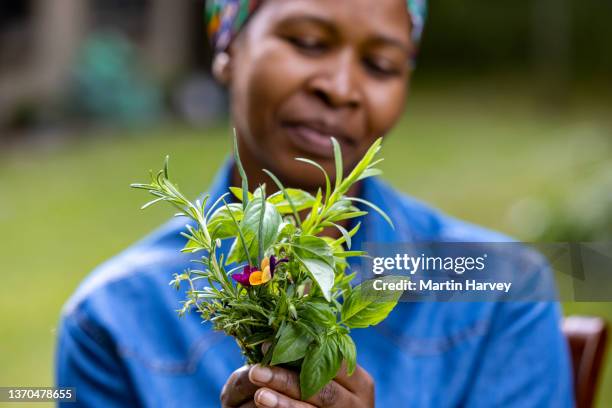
(314, 138)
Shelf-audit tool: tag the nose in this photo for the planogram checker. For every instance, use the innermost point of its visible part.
(337, 83)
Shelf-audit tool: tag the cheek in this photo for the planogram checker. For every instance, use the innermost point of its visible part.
(385, 106)
(271, 79)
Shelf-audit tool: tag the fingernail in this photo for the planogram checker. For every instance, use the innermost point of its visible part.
(267, 398)
(261, 374)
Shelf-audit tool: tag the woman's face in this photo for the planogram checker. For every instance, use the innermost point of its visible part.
(304, 70)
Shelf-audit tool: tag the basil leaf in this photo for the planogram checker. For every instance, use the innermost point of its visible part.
(250, 226)
(321, 364)
(311, 247)
(317, 312)
(237, 192)
(285, 230)
(317, 257)
(349, 352)
(291, 345)
(321, 273)
(300, 199)
(365, 307)
(221, 225)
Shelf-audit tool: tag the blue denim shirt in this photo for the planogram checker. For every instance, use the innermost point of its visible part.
(122, 344)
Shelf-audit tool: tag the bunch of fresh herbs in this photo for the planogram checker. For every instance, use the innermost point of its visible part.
(282, 282)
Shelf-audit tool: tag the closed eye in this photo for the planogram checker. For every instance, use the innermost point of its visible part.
(309, 45)
(381, 68)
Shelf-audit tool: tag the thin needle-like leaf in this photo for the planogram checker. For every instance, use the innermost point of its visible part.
(286, 195)
(245, 182)
(318, 166)
(338, 161)
(260, 242)
(240, 234)
(374, 207)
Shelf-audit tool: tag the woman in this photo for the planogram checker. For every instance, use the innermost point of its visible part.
(298, 72)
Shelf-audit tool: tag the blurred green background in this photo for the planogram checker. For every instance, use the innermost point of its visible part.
(65, 209)
(507, 125)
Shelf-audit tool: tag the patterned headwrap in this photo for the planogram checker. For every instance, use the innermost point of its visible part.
(225, 18)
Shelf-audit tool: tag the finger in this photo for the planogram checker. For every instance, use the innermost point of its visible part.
(267, 398)
(333, 395)
(359, 382)
(250, 404)
(288, 383)
(238, 389)
(282, 380)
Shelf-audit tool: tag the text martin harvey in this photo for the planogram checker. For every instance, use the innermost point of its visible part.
(448, 285)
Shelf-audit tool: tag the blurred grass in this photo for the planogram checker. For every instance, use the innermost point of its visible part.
(66, 209)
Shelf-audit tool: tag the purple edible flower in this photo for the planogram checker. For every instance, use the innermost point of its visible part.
(243, 278)
(274, 263)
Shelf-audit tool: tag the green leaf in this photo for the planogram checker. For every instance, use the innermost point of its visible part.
(375, 208)
(213, 207)
(349, 352)
(321, 364)
(317, 257)
(249, 226)
(166, 161)
(370, 173)
(291, 345)
(339, 207)
(309, 246)
(239, 247)
(237, 192)
(345, 234)
(314, 213)
(351, 233)
(196, 241)
(221, 225)
(338, 161)
(321, 273)
(261, 226)
(360, 168)
(287, 197)
(317, 312)
(348, 216)
(363, 308)
(192, 246)
(300, 199)
(245, 182)
(318, 166)
(285, 231)
(346, 254)
(259, 192)
(256, 339)
(152, 202)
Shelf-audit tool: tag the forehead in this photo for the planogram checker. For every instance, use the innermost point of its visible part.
(386, 18)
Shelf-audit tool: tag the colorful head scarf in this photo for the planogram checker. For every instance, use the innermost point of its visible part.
(225, 18)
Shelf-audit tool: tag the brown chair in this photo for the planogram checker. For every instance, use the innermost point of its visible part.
(587, 337)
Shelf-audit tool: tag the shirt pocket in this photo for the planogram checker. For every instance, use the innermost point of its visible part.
(171, 360)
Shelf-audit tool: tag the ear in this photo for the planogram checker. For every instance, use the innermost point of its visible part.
(221, 68)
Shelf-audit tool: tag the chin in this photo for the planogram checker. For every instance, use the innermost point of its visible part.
(301, 175)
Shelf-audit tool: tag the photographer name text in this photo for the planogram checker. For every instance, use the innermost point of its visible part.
(448, 285)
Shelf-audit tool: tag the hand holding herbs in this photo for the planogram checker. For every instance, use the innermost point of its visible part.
(279, 387)
(281, 283)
